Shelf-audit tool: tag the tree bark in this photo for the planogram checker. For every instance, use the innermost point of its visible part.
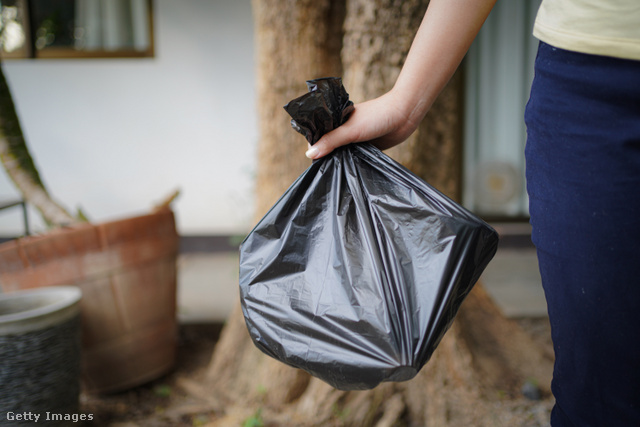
(19, 165)
(295, 41)
(378, 35)
(474, 376)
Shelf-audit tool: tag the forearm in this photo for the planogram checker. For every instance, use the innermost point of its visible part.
(445, 35)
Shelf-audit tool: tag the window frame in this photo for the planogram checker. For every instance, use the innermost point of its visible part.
(29, 51)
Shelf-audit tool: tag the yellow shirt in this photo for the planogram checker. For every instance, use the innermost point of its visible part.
(599, 27)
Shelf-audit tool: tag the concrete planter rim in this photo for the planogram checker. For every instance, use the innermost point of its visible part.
(34, 309)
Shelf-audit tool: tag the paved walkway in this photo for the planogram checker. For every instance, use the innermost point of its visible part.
(513, 280)
(208, 285)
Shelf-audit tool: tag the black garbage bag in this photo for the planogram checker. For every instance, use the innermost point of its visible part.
(358, 270)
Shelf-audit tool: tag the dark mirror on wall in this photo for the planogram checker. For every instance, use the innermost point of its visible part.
(76, 28)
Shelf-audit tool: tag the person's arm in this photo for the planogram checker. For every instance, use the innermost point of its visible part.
(445, 34)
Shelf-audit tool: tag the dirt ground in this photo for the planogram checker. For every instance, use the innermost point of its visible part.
(174, 400)
(179, 399)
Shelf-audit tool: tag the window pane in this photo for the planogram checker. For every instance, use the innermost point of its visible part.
(498, 78)
(53, 23)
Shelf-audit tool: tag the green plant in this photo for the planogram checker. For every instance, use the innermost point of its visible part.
(255, 420)
(340, 413)
(262, 390)
(162, 390)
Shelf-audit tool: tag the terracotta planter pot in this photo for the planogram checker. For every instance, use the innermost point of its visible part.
(126, 270)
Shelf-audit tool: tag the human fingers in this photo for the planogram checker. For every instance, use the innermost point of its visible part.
(368, 121)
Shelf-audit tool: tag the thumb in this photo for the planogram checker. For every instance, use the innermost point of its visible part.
(329, 142)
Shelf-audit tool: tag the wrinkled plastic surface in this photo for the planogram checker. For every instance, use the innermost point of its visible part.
(358, 270)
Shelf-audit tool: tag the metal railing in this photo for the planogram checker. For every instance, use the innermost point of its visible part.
(5, 204)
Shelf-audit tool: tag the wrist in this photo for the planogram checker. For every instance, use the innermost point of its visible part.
(412, 102)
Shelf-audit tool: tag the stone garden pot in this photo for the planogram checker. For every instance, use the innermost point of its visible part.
(39, 355)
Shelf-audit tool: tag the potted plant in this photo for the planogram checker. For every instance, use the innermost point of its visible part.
(126, 270)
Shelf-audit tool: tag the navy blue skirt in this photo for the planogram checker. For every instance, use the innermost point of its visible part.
(583, 179)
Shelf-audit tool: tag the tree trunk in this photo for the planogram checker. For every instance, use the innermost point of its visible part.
(378, 35)
(474, 376)
(295, 41)
(19, 165)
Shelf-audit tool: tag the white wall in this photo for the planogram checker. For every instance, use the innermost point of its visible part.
(115, 135)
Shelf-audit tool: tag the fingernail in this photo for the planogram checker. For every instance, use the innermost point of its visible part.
(311, 152)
